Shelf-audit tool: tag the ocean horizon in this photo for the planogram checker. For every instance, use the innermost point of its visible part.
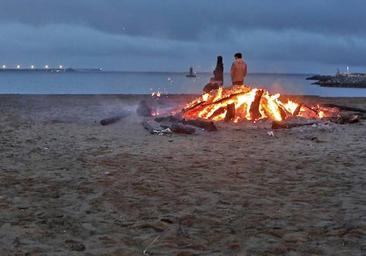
(147, 82)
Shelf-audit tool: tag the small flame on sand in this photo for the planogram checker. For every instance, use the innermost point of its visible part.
(156, 94)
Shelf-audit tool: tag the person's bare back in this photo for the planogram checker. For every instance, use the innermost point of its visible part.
(239, 70)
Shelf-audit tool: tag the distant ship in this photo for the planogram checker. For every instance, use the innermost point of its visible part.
(191, 73)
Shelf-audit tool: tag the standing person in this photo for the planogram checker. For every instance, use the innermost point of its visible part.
(238, 70)
(219, 71)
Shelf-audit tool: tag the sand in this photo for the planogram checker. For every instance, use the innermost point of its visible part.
(69, 186)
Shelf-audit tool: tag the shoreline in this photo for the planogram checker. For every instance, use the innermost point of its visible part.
(174, 95)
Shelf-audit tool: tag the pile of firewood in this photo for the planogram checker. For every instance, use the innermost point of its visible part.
(224, 104)
(163, 125)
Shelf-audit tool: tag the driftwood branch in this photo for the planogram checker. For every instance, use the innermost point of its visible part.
(203, 124)
(114, 119)
(181, 128)
(345, 118)
(154, 127)
(288, 124)
(344, 108)
(167, 125)
(206, 125)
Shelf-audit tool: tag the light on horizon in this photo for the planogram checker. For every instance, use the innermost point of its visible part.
(32, 66)
(18, 66)
(61, 67)
(46, 66)
(4, 66)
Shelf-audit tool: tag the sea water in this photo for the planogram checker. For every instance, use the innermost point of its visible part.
(148, 82)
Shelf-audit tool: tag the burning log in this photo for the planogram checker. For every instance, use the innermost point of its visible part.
(272, 110)
(308, 112)
(218, 112)
(192, 113)
(219, 100)
(193, 106)
(250, 104)
(297, 110)
(292, 123)
(206, 125)
(113, 120)
(283, 112)
(230, 113)
(254, 107)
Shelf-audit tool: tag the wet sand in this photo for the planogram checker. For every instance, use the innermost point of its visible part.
(69, 186)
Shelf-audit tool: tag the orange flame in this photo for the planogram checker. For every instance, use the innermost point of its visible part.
(239, 103)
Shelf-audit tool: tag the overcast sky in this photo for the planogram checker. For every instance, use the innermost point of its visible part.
(170, 35)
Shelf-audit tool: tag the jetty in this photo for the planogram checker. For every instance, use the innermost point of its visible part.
(351, 80)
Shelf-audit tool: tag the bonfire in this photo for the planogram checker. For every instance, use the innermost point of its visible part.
(243, 103)
(239, 103)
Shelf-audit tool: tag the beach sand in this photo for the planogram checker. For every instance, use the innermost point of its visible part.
(69, 186)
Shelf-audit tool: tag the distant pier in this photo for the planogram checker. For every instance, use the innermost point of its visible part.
(49, 70)
(351, 80)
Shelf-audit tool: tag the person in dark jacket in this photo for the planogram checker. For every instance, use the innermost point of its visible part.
(219, 71)
(218, 79)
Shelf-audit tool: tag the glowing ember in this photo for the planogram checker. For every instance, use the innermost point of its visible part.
(240, 103)
(155, 113)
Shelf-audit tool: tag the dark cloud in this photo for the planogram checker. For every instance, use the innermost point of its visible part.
(145, 34)
(188, 19)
